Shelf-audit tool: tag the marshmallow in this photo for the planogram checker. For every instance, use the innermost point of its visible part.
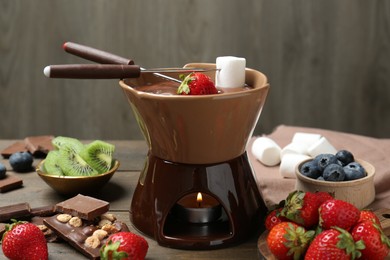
(305, 138)
(294, 148)
(289, 163)
(266, 151)
(231, 72)
(322, 146)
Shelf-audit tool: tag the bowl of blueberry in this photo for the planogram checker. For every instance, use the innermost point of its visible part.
(340, 174)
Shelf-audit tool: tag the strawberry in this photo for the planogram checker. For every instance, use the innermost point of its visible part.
(23, 240)
(335, 243)
(377, 245)
(273, 218)
(323, 196)
(367, 214)
(302, 208)
(124, 245)
(338, 213)
(288, 240)
(196, 84)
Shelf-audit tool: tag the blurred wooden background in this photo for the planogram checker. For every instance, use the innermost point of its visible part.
(328, 62)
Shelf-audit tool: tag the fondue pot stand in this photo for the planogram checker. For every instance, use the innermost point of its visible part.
(197, 189)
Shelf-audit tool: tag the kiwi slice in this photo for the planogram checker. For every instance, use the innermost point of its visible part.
(98, 154)
(51, 165)
(72, 164)
(71, 143)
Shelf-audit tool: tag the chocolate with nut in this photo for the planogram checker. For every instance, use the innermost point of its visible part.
(84, 207)
(85, 235)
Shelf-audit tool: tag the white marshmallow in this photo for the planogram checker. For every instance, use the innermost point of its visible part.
(320, 147)
(289, 163)
(294, 148)
(231, 72)
(266, 151)
(305, 138)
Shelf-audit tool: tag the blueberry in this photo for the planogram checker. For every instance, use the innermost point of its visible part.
(345, 157)
(321, 178)
(323, 160)
(21, 161)
(2, 171)
(310, 169)
(334, 172)
(354, 171)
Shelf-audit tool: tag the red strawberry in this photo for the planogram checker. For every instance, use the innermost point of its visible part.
(288, 240)
(323, 196)
(24, 240)
(302, 208)
(124, 245)
(367, 214)
(273, 218)
(377, 245)
(196, 84)
(338, 213)
(335, 243)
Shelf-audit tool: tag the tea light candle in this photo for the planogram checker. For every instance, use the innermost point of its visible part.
(198, 208)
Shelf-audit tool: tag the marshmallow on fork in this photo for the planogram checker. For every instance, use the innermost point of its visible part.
(230, 72)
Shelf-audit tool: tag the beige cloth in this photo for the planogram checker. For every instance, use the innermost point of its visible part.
(275, 188)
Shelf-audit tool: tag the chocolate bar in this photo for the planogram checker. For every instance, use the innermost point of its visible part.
(84, 207)
(19, 146)
(85, 236)
(10, 182)
(44, 211)
(14, 211)
(39, 144)
(36, 145)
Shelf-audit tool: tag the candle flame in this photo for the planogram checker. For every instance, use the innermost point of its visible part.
(199, 197)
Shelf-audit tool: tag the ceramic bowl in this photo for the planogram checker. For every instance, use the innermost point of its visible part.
(71, 185)
(360, 192)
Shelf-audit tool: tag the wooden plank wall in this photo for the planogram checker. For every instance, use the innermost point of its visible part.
(328, 62)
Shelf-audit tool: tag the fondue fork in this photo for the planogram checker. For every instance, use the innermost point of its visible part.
(104, 57)
(109, 71)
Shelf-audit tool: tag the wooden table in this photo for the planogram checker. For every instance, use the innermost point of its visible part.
(118, 192)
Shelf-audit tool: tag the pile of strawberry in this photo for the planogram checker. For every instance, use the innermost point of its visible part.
(317, 226)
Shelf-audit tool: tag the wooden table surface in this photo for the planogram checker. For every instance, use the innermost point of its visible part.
(118, 192)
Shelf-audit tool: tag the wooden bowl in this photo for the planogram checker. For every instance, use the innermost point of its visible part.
(360, 192)
(72, 185)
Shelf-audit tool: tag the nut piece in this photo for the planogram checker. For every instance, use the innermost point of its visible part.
(63, 218)
(75, 222)
(110, 228)
(104, 222)
(43, 228)
(109, 216)
(100, 234)
(92, 242)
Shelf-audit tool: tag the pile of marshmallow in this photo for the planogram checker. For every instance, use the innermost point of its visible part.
(303, 146)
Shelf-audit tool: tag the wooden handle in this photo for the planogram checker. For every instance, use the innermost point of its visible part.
(95, 55)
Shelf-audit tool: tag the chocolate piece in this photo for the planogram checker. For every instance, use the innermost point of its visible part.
(14, 211)
(84, 207)
(10, 182)
(16, 147)
(39, 144)
(77, 236)
(44, 211)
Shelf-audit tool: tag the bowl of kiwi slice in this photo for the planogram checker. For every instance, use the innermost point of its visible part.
(73, 167)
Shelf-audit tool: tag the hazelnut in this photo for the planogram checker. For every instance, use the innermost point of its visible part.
(109, 216)
(100, 233)
(110, 228)
(75, 222)
(43, 228)
(104, 222)
(92, 242)
(63, 218)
